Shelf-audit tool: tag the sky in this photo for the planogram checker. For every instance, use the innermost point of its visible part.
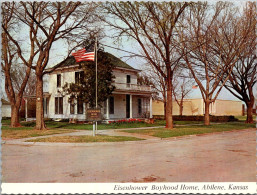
(59, 52)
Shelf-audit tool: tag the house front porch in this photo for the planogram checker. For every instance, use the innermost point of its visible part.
(125, 106)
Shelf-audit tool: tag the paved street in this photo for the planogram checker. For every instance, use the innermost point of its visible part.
(220, 157)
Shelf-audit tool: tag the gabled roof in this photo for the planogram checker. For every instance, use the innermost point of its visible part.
(70, 61)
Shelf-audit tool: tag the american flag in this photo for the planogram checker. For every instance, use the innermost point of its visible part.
(194, 86)
(82, 55)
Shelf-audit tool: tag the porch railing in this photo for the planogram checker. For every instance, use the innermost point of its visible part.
(129, 86)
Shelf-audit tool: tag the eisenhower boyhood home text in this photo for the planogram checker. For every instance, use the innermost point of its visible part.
(182, 187)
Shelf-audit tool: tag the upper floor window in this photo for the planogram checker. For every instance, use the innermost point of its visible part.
(58, 80)
(79, 76)
(128, 79)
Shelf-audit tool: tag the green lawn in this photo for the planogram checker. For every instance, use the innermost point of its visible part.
(24, 132)
(191, 130)
(243, 118)
(85, 139)
(67, 125)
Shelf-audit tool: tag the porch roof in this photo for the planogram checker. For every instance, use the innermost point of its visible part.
(45, 94)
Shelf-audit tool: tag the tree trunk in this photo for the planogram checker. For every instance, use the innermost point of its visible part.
(207, 113)
(164, 104)
(15, 122)
(249, 118)
(181, 108)
(40, 124)
(169, 119)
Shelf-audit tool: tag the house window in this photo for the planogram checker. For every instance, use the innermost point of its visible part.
(58, 80)
(79, 76)
(111, 110)
(128, 80)
(139, 106)
(72, 107)
(80, 107)
(58, 105)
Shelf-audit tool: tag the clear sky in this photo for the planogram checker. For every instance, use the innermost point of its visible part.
(59, 52)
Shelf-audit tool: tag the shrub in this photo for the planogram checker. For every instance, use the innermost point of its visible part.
(199, 118)
(126, 121)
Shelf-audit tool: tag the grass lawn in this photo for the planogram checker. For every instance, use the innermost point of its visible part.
(191, 130)
(85, 139)
(243, 118)
(24, 132)
(67, 125)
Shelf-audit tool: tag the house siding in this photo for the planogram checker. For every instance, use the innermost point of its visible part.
(68, 76)
(121, 76)
(6, 110)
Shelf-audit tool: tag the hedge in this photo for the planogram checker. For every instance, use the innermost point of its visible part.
(199, 118)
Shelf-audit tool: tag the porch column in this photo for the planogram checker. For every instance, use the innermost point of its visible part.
(151, 103)
(107, 109)
(26, 109)
(130, 113)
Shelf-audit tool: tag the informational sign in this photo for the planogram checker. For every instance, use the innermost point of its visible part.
(94, 114)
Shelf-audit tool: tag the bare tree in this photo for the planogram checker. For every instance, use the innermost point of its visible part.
(9, 61)
(181, 90)
(152, 25)
(244, 75)
(17, 74)
(46, 23)
(211, 43)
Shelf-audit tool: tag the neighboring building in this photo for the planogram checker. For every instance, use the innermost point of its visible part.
(197, 107)
(6, 108)
(129, 100)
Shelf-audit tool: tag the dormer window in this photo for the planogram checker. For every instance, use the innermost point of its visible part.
(58, 80)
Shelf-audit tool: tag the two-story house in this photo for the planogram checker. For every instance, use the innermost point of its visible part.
(128, 100)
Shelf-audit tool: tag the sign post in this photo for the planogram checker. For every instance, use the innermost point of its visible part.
(94, 114)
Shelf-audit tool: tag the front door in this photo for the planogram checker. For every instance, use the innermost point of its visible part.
(127, 106)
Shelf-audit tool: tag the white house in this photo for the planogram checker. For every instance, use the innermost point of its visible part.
(129, 100)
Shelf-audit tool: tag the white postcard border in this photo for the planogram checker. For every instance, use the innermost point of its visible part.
(121, 188)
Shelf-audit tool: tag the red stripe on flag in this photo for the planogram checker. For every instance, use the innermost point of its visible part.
(90, 56)
(80, 55)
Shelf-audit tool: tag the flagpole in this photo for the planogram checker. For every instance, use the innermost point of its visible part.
(96, 72)
(96, 78)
